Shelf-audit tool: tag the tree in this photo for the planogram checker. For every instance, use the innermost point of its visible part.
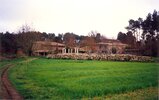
(92, 34)
(69, 39)
(8, 44)
(48, 37)
(88, 42)
(130, 39)
(25, 40)
(98, 38)
(139, 26)
(135, 27)
(122, 37)
(149, 29)
(150, 32)
(59, 38)
(25, 28)
(127, 38)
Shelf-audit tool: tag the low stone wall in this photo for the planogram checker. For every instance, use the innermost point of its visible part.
(110, 57)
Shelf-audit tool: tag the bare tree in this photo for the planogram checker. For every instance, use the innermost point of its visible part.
(25, 28)
(89, 42)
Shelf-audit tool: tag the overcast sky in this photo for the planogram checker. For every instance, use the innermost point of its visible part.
(107, 17)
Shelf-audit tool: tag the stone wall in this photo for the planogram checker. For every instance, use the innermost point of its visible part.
(110, 57)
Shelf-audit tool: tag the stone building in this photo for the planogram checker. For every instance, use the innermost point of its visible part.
(111, 46)
(43, 48)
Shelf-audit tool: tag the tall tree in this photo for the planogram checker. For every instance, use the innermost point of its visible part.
(149, 29)
(135, 27)
(150, 32)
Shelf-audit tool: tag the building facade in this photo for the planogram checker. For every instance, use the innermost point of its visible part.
(111, 47)
(43, 48)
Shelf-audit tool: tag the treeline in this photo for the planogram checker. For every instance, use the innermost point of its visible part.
(11, 42)
(143, 34)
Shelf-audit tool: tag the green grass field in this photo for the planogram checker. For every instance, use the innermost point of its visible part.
(78, 79)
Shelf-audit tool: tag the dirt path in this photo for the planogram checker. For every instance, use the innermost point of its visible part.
(8, 91)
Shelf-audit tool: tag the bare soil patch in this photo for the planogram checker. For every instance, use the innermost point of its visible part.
(8, 91)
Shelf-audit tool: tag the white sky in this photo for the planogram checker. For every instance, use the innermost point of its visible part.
(107, 17)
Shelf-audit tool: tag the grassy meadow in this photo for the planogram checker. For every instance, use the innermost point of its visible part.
(80, 79)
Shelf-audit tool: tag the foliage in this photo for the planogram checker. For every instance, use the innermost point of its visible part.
(25, 40)
(145, 32)
(127, 38)
(69, 39)
(89, 42)
(11, 42)
(7, 43)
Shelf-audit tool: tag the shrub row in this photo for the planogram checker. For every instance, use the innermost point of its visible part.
(110, 57)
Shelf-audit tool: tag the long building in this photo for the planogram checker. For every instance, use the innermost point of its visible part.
(43, 48)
